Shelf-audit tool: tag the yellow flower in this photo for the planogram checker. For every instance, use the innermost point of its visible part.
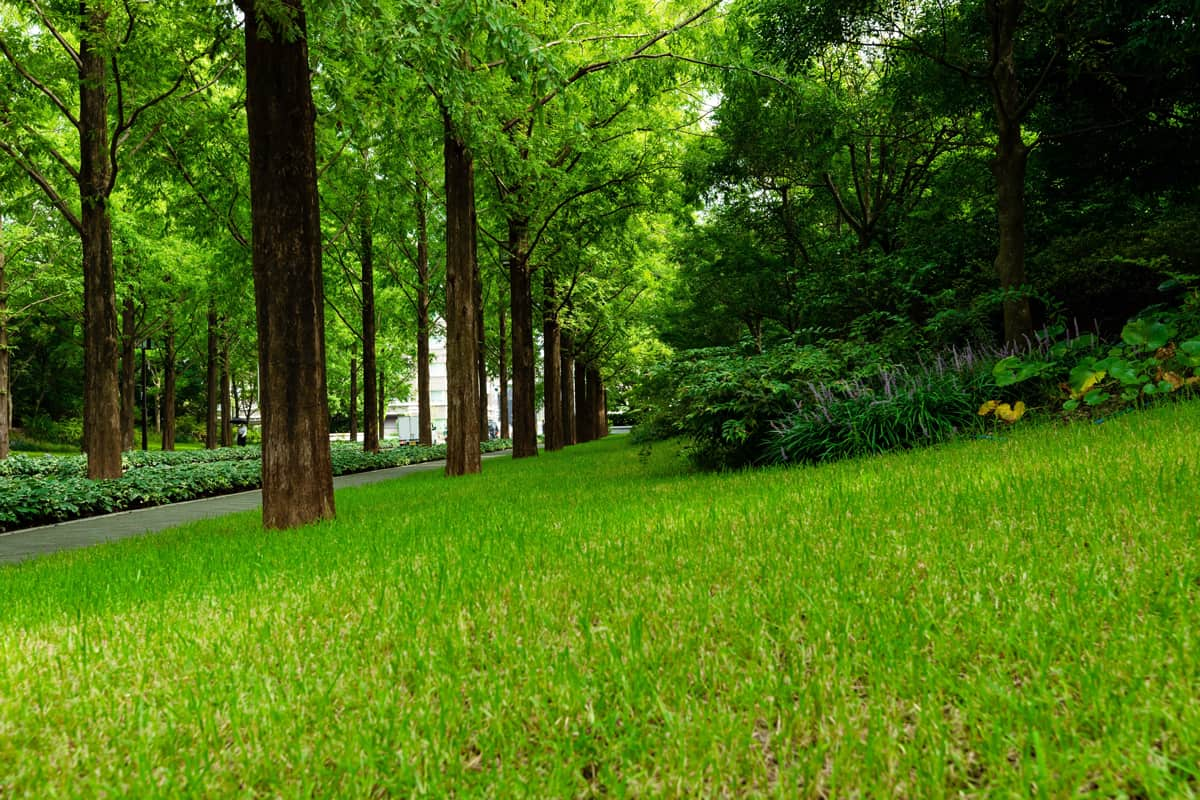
(1010, 414)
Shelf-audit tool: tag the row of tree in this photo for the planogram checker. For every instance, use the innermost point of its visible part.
(125, 120)
(584, 182)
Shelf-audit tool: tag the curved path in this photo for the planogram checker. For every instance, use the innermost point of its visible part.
(32, 542)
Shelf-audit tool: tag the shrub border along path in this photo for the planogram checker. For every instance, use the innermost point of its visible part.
(26, 543)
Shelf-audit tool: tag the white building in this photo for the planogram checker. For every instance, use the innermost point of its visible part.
(401, 420)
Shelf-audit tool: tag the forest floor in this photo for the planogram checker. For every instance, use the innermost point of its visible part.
(989, 618)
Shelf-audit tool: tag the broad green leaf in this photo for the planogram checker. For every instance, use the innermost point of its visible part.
(1147, 334)
(1083, 378)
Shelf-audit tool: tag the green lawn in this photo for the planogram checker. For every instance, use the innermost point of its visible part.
(990, 618)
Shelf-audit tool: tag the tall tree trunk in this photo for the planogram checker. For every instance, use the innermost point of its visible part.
(462, 340)
(371, 423)
(353, 400)
(596, 403)
(101, 405)
(481, 352)
(212, 382)
(169, 380)
(128, 371)
(552, 363)
(381, 408)
(424, 409)
(5, 381)
(601, 407)
(503, 374)
(583, 419)
(145, 401)
(1012, 156)
(297, 475)
(524, 379)
(566, 374)
(226, 391)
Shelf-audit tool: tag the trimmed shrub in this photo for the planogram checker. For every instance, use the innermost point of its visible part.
(36, 490)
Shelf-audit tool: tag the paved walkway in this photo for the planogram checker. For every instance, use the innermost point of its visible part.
(32, 542)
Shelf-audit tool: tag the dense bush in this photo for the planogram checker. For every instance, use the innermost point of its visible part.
(808, 404)
(724, 400)
(1157, 355)
(41, 427)
(36, 490)
(811, 403)
(897, 409)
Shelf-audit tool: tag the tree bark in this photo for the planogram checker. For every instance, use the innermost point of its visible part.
(551, 364)
(424, 407)
(381, 404)
(583, 420)
(212, 378)
(5, 381)
(128, 367)
(353, 400)
(597, 403)
(226, 391)
(169, 380)
(524, 413)
(462, 341)
(145, 401)
(503, 374)
(566, 373)
(1009, 164)
(480, 342)
(371, 398)
(297, 475)
(102, 407)
(601, 407)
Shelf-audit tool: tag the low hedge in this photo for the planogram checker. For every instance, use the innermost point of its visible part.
(41, 490)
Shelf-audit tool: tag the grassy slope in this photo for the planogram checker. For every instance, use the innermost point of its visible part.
(985, 618)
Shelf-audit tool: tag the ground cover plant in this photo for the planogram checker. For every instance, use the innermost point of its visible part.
(39, 489)
(985, 618)
(812, 403)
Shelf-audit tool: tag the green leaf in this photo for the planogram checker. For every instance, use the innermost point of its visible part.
(1191, 352)
(1126, 374)
(1083, 377)
(1096, 396)
(1147, 334)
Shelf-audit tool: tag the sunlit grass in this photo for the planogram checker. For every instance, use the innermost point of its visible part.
(988, 618)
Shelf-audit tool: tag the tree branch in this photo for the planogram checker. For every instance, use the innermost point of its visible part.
(121, 132)
(573, 197)
(22, 160)
(230, 224)
(587, 69)
(342, 317)
(54, 152)
(72, 53)
(41, 87)
(38, 302)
